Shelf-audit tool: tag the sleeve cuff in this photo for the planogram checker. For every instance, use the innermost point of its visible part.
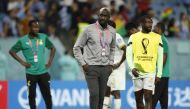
(131, 68)
(83, 63)
(13, 50)
(159, 75)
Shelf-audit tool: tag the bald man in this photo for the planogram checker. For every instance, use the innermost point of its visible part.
(98, 43)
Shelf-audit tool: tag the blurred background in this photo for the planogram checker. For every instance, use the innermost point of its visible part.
(64, 20)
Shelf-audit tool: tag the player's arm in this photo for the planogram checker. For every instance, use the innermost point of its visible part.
(112, 50)
(159, 62)
(50, 46)
(124, 54)
(165, 58)
(77, 49)
(165, 43)
(130, 58)
(121, 44)
(13, 52)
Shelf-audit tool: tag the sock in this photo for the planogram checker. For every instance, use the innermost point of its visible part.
(117, 103)
(110, 103)
(106, 103)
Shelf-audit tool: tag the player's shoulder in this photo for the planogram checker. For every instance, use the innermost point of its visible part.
(90, 27)
(118, 36)
(111, 29)
(119, 39)
(164, 39)
(135, 35)
(25, 37)
(155, 35)
(42, 35)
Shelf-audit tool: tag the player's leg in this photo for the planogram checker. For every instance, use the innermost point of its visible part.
(148, 98)
(117, 99)
(139, 99)
(159, 87)
(118, 84)
(164, 96)
(44, 84)
(138, 88)
(107, 98)
(104, 73)
(31, 84)
(148, 88)
(93, 86)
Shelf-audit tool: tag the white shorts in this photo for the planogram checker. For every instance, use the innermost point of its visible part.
(144, 83)
(117, 79)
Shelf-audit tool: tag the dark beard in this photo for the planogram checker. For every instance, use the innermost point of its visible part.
(33, 34)
(104, 25)
(146, 30)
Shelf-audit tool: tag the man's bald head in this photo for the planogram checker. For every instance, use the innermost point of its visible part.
(103, 16)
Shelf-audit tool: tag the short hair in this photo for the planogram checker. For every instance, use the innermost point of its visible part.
(142, 19)
(121, 8)
(104, 8)
(161, 26)
(112, 2)
(32, 21)
(130, 26)
(112, 23)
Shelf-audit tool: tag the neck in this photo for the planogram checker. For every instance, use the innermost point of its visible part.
(145, 31)
(33, 34)
(104, 26)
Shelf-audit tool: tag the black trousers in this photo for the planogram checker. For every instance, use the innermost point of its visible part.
(161, 93)
(97, 77)
(43, 81)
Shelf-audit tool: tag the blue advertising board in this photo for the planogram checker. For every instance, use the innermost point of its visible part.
(75, 95)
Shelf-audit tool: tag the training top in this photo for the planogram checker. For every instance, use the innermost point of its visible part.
(145, 53)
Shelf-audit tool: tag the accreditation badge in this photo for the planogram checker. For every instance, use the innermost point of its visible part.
(35, 58)
(103, 52)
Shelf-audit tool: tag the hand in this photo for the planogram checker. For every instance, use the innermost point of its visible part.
(115, 66)
(25, 64)
(48, 65)
(85, 68)
(135, 72)
(157, 80)
(111, 66)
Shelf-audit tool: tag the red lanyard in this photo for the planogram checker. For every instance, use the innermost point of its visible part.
(103, 43)
(30, 43)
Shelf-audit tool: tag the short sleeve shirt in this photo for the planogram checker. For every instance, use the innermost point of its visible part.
(29, 49)
(119, 44)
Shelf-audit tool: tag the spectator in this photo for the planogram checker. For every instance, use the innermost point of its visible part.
(52, 17)
(143, 5)
(183, 25)
(172, 28)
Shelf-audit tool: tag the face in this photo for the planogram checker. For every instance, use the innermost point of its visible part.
(147, 24)
(157, 30)
(34, 29)
(132, 31)
(104, 16)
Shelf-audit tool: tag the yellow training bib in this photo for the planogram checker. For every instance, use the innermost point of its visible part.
(145, 50)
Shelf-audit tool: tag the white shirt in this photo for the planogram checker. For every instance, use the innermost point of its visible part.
(118, 52)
